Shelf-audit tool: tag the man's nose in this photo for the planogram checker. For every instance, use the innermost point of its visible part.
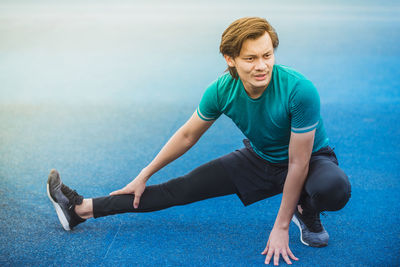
(260, 64)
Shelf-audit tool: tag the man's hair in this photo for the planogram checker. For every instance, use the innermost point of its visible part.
(239, 31)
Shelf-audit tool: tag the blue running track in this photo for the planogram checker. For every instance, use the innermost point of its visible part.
(95, 88)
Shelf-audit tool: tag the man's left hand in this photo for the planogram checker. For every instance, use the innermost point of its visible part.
(278, 244)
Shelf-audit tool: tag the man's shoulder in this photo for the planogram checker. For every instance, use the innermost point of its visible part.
(225, 80)
(225, 84)
(292, 81)
(289, 73)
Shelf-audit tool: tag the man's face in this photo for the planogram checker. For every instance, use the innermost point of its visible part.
(254, 63)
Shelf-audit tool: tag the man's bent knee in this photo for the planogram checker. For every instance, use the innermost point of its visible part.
(334, 196)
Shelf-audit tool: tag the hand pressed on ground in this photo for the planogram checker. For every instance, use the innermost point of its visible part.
(278, 244)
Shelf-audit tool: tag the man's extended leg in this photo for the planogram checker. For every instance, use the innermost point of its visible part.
(207, 181)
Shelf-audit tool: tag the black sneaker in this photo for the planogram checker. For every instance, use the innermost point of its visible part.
(64, 200)
(312, 233)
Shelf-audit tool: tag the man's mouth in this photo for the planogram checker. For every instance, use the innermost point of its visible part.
(260, 77)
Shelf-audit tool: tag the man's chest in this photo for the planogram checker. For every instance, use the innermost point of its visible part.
(269, 118)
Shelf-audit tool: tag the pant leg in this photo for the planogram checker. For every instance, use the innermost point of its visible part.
(207, 181)
(327, 187)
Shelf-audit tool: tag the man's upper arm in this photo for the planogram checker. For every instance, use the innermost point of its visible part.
(195, 127)
(304, 107)
(305, 117)
(300, 147)
(206, 113)
(209, 108)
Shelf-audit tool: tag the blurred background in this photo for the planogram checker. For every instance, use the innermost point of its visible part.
(125, 52)
(95, 88)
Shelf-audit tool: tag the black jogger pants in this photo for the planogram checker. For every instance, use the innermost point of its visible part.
(242, 172)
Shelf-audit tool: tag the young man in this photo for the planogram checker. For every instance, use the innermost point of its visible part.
(287, 149)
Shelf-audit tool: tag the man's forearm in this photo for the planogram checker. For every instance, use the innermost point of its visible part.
(176, 146)
(295, 179)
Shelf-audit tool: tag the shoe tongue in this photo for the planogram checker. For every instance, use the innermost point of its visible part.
(73, 197)
(312, 221)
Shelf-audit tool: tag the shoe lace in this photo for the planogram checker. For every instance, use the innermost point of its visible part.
(73, 197)
(312, 221)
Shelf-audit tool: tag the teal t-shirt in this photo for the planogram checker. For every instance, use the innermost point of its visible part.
(289, 104)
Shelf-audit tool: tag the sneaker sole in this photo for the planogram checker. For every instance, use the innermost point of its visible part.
(294, 219)
(60, 213)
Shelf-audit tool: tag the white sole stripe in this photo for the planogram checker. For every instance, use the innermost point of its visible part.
(294, 219)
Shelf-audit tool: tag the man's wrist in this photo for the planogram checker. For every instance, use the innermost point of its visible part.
(144, 175)
(282, 226)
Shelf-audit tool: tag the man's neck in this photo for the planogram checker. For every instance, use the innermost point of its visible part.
(256, 95)
(254, 92)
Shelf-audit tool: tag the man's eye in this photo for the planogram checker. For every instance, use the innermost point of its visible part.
(267, 55)
(248, 58)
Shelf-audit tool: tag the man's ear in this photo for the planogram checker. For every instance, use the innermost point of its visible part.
(230, 61)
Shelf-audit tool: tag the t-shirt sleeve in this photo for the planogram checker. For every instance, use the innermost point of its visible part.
(304, 107)
(208, 108)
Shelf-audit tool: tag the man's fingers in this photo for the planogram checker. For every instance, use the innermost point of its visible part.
(265, 250)
(269, 256)
(291, 254)
(117, 192)
(276, 257)
(285, 257)
(136, 201)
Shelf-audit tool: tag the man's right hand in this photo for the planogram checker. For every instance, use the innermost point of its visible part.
(135, 187)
